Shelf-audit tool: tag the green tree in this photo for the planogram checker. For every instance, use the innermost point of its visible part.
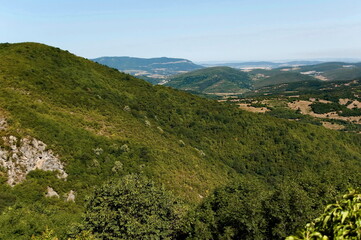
(231, 212)
(341, 220)
(49, 234)
(131, 208)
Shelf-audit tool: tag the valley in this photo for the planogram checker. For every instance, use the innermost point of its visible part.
(334, 105)
(75, 129)
(180, 120)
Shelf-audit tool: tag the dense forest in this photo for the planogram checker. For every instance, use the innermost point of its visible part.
(151, 162)
(212, 80)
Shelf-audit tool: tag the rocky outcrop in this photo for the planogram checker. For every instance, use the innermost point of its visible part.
(3, 123)
(20, 156)
(71, 196)
(51, 193)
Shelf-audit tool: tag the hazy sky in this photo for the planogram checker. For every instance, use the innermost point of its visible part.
(200, 30)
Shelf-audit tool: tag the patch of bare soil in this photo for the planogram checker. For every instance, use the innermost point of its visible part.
(249, 108)
(305, 108)
(225, 94)
(324, 101)
(343, 101)
(354, 104)
(333, 126)
(322, 78)
(302, 105)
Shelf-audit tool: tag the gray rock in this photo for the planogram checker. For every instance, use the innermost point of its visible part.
(71, 196)
(127, 108)
(51, 193)
(25, 155)
(3, 123)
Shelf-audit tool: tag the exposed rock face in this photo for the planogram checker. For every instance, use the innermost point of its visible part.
(51, 193)
(3, 123)
(71, 196)
(20, 156)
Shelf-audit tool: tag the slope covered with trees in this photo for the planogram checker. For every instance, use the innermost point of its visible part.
(282, 77)
(212, 80)
(104, 125)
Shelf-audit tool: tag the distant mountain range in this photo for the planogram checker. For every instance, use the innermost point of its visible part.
(330, 71)
(224, 81)
(150, 68)
(229, 78)
(263, 64)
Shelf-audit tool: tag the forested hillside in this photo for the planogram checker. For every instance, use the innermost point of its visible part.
(231, 174)
(226, 81)
(212, 80)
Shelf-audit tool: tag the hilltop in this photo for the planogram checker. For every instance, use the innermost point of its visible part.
(153, 69)
(89, 123)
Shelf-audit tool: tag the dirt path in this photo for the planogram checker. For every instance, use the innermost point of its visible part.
(249, 108)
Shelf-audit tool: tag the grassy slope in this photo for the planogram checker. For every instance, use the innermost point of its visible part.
(76, 106)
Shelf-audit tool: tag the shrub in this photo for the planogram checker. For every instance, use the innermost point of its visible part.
(131, 208)
(341, 220)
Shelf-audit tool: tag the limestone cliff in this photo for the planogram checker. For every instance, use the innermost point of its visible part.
(20, 156)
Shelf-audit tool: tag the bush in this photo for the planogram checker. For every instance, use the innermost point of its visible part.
(341, 220)
(131, 208)
(322, 108)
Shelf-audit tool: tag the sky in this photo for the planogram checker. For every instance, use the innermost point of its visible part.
(199, 30)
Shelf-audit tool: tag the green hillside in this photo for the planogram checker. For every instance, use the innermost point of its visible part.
(212, 80)
(311, 89)
(282, 77)
(335, 71)
(226, 80)
(215, 158)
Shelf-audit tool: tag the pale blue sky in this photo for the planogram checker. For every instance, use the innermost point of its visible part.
(200, 30)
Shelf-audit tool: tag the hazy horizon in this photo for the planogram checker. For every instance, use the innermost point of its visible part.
(202, 31)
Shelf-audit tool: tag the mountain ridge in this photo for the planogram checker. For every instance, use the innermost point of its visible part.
(104, 124)
(149, 67)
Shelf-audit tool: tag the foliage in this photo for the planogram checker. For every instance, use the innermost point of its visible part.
(131, 208)
(341, 220)
(231, 212)
(49, 234)
(281, 77)
(212, 80)
(87, 113)
(350, 112)
(321, 108)
(248, 209)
